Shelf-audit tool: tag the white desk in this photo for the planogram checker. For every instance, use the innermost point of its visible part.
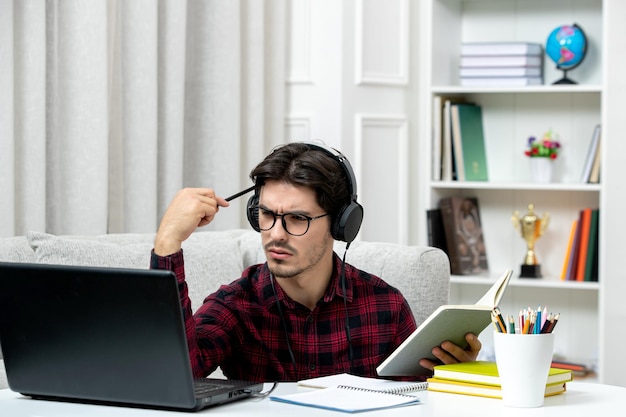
(581, 399)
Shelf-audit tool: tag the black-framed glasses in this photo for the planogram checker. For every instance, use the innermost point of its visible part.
(296, 224)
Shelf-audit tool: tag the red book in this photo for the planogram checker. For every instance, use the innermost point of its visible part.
(592, 249)
(585, 223)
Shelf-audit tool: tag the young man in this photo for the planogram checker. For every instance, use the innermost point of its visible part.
(303, 313)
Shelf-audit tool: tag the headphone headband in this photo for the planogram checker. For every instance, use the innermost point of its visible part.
(343, 161)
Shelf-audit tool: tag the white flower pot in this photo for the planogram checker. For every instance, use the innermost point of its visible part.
(541, 169)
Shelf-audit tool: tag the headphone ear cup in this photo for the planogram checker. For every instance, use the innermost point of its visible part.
(346, 225)
(252, 210)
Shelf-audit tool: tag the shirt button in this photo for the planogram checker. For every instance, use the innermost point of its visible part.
(310, 319)
(311, 366)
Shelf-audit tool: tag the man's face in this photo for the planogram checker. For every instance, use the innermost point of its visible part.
(288, 255)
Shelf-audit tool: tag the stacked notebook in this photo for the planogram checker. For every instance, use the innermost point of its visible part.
(481, 379)
(501, 64)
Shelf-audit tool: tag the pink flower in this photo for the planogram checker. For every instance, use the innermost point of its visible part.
(547, 147)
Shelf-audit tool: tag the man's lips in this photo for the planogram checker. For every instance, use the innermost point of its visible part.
(278, 253)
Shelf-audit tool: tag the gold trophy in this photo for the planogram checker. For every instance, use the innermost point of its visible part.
(531, 228)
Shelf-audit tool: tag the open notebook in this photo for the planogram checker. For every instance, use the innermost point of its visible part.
(448, 322)
(101, 335)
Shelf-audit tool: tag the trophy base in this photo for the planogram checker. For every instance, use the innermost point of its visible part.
(530, 271)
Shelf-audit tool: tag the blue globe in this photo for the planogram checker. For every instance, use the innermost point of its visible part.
(566, 46)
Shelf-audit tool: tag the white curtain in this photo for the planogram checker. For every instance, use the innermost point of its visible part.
(109, 107)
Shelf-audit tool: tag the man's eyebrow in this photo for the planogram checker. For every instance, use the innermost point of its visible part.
(304, 212)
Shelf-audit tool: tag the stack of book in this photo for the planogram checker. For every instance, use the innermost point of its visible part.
(481, 378)
(501, 64)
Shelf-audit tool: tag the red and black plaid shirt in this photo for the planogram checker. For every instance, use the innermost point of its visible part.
(240, 329)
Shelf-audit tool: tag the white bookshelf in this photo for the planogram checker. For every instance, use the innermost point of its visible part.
(510, 116)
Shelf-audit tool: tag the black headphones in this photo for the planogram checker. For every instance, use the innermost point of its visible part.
(346, 224)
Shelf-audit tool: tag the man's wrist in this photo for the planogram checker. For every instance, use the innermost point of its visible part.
(165, 247)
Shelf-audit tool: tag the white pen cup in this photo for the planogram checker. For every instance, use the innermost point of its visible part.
(523, 361)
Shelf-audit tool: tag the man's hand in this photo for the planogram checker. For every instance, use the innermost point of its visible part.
(448, 352)
(190, 208)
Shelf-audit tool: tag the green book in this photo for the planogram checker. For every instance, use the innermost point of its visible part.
(472, 141)
(485, 372)
(592, 247)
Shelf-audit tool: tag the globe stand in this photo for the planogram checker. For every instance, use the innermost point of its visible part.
(564, 80)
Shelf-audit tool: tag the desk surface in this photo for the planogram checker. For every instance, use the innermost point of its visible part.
(581, 399)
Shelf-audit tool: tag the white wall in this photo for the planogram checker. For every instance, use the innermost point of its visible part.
(349, 84)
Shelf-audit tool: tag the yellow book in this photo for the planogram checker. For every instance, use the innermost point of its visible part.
(486, 373)
(481, 390)
(568, 253)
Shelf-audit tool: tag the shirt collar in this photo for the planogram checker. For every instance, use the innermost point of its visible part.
(334, 287)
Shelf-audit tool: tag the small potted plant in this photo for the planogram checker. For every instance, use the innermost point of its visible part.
(541, 153)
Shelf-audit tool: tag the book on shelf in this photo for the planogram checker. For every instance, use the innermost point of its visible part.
(568, 251)
(591, 263)
(448, 322)
(590, 158)
(501, 61)
(447, 161)
(585, 224)
(347, 399)
(436, 233)
(362, 382)
(572, 260)
(521, 71)
(581, 255)
(469, 142)
(457, 146)
(482, 390)
(500, 81)
(443, 166)
(464, 235)
(437, 138)
(501, 48)
(594, 176)
(577, 369)
(442, 152)
(486, 373)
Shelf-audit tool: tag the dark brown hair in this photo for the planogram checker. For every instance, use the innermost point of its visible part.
(302, 165)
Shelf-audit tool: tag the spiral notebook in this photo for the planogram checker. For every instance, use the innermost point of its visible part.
(352, 393)
(348, 399)
(376, 384)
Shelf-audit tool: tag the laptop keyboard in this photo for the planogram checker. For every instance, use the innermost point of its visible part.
(203, 387)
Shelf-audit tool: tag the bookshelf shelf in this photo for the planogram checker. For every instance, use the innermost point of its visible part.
(551, 284)
(529, 186)
(543, 89)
